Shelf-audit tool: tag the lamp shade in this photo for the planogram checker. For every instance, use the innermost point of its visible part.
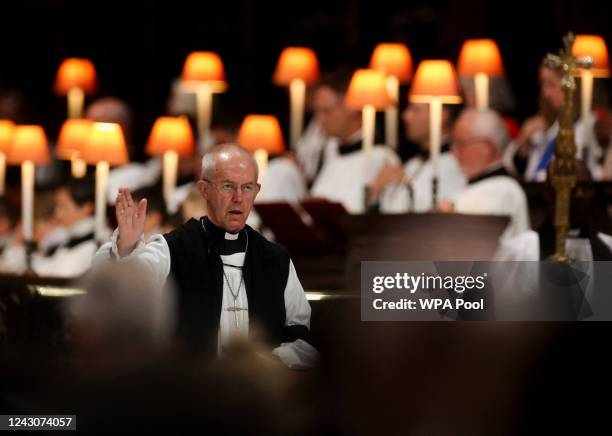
(595, 47)
(261, 132)
(296, 63)
(7, 130)
(75, 73)
(480, 56)
(205, 67)
(72, 137)
(367, 87)
(435, 78)
(29, 144)
(393, 59)
(105, 142)
(171, 134)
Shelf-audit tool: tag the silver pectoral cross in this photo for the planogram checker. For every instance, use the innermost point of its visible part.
(235, 308)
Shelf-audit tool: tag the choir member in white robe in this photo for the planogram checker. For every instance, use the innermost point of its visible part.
(604, 137)
(228, 277)
(409, 189)
(63, 233)
(283, 181)
(310, 148)
(479, 138)
(72, 256)
(346, 170)
(530, 154)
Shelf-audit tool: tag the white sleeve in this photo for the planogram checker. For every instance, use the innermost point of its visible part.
(13, 260)
(299, 353)
(154, 255)
(395, 199)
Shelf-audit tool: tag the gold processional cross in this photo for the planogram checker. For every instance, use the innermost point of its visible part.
(562, 170)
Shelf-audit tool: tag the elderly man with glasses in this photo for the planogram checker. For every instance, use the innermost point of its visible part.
(479, 139)
(230, 280)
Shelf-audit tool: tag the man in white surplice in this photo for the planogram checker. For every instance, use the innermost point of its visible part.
(479, 138)
(227, 275)
(409, 188)
(346, 168)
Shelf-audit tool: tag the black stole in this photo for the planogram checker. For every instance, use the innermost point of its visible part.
(197, 273)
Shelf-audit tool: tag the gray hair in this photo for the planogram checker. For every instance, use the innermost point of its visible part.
(487, 124)
(209, 161)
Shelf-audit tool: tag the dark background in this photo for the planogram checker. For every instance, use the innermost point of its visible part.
(139, 47)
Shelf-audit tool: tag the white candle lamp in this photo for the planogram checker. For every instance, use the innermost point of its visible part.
(435, 83)
(297, 67)
(29, 148)
(170, 137)
(7, 131)
(262, 135)
(594, 47)
(70, 143)
(204, 75)
(75, 78)
(104, 146)
(480, 59)
(395, 61)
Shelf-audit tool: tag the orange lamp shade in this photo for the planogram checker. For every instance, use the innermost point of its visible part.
(435, 78)
(7, 130)
(595, 47)
(75, 73)
(261, 132)
(480, 56)
(393, 59)
(367, 87)
(296, 63)
(72, 137)
(171, 134)
(29, 144)
(105, 142)
(205, 67)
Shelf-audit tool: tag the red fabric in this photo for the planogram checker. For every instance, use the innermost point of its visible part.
(512, 126)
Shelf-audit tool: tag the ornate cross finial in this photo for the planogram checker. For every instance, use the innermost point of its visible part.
(567, 63)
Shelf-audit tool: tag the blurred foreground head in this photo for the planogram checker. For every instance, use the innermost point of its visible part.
(124, 318)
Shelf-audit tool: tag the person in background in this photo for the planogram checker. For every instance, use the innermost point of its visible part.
(409, 188)
(74, 211)
(479, 138)
(48, 236)
(530, 154)
(346, 171)
(194, 206)
(7, 224)
(156, 214)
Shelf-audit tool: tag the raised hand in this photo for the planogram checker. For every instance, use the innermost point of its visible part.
(131, 219)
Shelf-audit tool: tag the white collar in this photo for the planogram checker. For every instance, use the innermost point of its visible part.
(231, 236)
(83, 227)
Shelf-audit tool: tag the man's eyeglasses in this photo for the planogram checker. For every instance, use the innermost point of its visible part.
(230, 188)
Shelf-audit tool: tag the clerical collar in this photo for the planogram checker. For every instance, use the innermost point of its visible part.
(227, 243)
(494, 171)
(82, 227)
(352, 145)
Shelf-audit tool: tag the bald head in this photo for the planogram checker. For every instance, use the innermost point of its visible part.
(229, 185)
(110, 110)
(484, 124)
(227, 154)
(479, 139)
